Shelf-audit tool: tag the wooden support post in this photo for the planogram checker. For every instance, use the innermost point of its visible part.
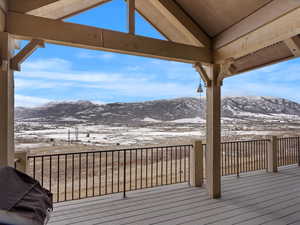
(131, 16)
(272, 154)
(22, 159)
(197, 164)
(213, 134)
(6, 101)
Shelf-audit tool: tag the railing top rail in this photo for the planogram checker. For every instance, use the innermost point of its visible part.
(109, 151)
(285, 138)
(243, 141)
(152, 147)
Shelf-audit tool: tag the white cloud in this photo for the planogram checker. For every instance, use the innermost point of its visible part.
(155, 79)
(150, 89)
(29, 101)
(126, 84)
(93, 55)
(134, 68)
(71, 76)
(21, 84)
(43, 64)
(264, 87)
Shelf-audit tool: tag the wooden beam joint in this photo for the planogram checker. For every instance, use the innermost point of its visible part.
(226, 69)
(70, 34)
(15, 62)
(199, 68)
(294, 45)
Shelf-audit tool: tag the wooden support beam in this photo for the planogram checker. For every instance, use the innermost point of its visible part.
(6, 101)
(173, 22)
(278, 30)
(16, 61)
(184, 23)
(213, 134)
(199, 68)
(53, 9)
(131, 16)
(294, 45)
(3, 11)
(22, 6)
(270, 12)
(58, 32)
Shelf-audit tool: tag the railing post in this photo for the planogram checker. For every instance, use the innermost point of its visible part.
(272, 154)
(298, 150)
(197, 164)
(124, 176)
(237, 160)
(22, 161)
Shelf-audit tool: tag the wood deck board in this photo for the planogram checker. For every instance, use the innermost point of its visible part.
(257, 198)
(178, 201)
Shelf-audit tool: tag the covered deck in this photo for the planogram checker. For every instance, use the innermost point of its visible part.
(254, 198)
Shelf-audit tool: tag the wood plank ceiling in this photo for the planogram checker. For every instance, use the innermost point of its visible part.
(215, 16)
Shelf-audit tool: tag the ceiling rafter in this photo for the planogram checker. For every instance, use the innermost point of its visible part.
(167, 16)
(285, 27)
(272, 11)
(25, 6)
(53, 9)
(191, 28)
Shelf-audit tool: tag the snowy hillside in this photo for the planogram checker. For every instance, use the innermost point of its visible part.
(183, 110)
(154, 122)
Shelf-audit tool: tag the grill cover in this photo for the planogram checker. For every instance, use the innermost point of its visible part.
(21, 194)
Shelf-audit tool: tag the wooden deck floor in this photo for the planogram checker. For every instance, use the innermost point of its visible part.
(260, 198)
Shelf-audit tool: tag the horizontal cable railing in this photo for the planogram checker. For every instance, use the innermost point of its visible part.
(79, 175)
(288, 151)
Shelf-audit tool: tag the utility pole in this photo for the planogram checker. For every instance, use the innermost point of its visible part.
(76, 134)
(69, 136)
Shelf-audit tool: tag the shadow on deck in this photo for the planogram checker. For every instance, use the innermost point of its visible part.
(257, 198)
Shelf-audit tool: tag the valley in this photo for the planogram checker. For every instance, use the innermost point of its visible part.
(81, 125)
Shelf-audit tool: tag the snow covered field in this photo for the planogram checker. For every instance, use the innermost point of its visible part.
(38, 135)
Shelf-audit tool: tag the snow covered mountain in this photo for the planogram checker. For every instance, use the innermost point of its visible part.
(160, 110)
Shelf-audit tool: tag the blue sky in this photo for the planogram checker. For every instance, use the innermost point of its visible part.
(58, 73)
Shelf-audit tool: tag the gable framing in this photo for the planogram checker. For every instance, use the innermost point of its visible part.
(168, 18)
(58, 32)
